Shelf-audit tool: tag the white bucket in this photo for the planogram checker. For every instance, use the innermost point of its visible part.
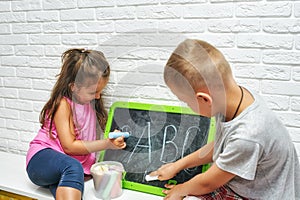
(107, 178)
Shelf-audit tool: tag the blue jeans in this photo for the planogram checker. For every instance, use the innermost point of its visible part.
(50, 168)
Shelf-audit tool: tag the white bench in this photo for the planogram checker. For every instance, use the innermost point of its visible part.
(14, 179)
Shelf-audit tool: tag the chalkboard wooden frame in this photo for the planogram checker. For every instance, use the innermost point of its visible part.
(144, 187)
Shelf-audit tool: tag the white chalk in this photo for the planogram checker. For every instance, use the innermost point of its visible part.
(113, 135)
(151, 178)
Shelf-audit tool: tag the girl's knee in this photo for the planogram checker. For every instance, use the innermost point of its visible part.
(74, 171)
(75, 167)
(73, 176)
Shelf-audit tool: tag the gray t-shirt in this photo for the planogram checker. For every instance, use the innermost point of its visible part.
(257, 148)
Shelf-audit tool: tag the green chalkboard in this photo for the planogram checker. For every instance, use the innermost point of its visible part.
(159, 134)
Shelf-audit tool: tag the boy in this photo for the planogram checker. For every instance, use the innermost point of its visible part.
(253, 156)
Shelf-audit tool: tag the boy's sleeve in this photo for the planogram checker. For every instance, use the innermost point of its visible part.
(240, 157)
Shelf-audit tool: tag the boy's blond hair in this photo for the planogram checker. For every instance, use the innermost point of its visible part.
(199, 64)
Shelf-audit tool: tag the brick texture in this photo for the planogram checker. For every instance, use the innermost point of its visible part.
(259, 38)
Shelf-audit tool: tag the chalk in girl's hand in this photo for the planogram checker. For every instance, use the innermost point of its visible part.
(114, 135)
(151, 178)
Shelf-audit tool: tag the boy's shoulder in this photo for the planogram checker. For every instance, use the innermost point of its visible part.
(256, 123)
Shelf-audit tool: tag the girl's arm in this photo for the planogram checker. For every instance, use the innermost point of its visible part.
(65, 129)
(200, 157)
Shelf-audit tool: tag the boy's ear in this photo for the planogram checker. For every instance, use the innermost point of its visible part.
(202, 96)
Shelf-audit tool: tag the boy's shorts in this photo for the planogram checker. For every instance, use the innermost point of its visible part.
(221, 193)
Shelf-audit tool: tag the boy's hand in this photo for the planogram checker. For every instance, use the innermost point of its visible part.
(118, 143)
(165, 172)
(174, 192)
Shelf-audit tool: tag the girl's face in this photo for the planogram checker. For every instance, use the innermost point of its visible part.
(85, 94)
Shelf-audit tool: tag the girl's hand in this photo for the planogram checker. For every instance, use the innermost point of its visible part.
(165, 172)
(118, 143)
(174, 192)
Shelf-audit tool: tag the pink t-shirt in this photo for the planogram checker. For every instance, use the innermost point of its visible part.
(86, 129)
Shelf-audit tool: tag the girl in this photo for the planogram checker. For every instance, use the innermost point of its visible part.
(64, 148)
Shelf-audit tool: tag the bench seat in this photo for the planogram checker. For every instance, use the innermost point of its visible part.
(13, 179)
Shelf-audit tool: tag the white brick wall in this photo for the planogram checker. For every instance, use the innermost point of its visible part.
(261, 39)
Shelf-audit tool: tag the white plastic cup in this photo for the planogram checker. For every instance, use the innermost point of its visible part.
(107, 178)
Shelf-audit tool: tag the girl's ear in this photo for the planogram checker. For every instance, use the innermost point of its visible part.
(72, 87)
(206, 98)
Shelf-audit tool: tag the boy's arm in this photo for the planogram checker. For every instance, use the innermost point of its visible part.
(199, 157)
(201, 184)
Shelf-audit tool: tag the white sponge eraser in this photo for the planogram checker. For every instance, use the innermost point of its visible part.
(151, 178)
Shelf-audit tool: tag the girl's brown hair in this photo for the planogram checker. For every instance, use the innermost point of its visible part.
(77, 66)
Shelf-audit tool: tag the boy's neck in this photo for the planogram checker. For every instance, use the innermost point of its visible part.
(238, 99)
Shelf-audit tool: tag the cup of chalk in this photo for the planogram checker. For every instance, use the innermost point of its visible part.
(107, 178)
